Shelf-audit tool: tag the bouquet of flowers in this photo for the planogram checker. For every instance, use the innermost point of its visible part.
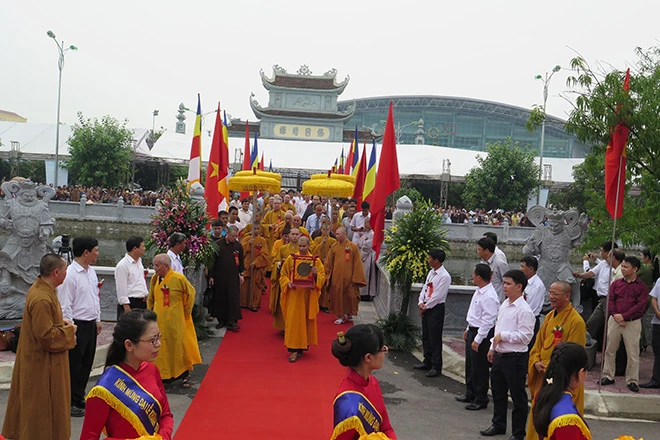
(179, 212)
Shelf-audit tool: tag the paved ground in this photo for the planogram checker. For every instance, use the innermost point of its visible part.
(420, 408)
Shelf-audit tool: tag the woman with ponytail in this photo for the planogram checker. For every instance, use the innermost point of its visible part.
(555, 415)
(129, 400)
(359, 408)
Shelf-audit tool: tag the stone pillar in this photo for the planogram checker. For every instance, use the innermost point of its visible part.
(83, 207)
(505, 230)
(403, 206)
(120, 208)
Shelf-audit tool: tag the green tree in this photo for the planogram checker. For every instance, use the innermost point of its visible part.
(100, 152)
(504, 179)
(600, 103)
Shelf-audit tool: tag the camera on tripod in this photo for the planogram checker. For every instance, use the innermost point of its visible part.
(65, 249)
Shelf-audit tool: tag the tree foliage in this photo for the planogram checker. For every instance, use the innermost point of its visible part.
(504, 179)
(600, 102)
(100, 152)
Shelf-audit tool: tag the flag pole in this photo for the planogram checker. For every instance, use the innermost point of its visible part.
(609, 281)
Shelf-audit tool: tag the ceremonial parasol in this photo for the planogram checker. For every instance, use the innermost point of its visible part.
(328, 187)
(344, 177)
(256, 172)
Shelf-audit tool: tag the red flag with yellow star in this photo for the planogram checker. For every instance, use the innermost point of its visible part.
(216, 172)
(615, 164)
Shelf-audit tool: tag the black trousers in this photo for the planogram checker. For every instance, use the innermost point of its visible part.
(135, 303)
(508, 375)
(433, 320)
(476, 368)
(81, 359)
(656, 353)
(537, 325)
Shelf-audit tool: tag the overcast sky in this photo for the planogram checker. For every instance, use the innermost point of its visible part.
(140, 55)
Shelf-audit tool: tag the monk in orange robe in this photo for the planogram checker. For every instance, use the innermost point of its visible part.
(321, 247)
(345, 276)
(278, 260)
(255, 268)
(273, 219)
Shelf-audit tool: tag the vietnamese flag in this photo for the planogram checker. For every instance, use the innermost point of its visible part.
(615, 164)
(214, 172)
(247, 163)
(387, 181)
(361, 175)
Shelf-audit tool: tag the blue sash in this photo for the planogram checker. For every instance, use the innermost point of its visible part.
(125, 395)
(352, 410)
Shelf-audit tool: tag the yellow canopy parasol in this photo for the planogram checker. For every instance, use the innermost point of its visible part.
(327, 187)
(275, 176)
(253, 183)
(344, 177)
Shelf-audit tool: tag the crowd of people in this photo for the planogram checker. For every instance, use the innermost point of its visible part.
(496, 217)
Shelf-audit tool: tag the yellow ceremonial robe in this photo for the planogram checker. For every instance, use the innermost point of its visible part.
(289, 207)
(322, 249)
(39, 402)
(271, 221)
(303, 231)
(172, 298)
(574, 330)
(255, 278)
(300, 307)
(275, 306)
(344, 275)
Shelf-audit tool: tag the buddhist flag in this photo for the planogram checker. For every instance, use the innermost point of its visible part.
(334, 167)
(356, 154)
(247, 159)
(261, 162)
(211, 188)
(254, 157)
(370, 177)
(195, 164)
(615, 164)
(360, 176)
(387, 181)
(340, 170)
(270, 167)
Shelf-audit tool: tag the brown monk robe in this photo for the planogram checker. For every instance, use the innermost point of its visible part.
(273, 219)
(282, 253)
(247, 230)
(321, 247)
(344, 277)
(255, 268)
(297, 223)
(39, 403)
(288, 221)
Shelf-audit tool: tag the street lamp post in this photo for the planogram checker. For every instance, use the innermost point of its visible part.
(60, 64)
(546, 82)
(153, 125)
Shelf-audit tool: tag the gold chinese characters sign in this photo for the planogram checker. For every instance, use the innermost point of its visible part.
(292, 131)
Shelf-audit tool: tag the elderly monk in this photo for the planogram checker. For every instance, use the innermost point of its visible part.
(172, 297)
(273, 219)
(247, 230)
(345, 276)
(283, 252)
(39, 403)
(297, 223)
(321, 247)
(256, 262)
(288, 221)
(300, 302)
(562, 324)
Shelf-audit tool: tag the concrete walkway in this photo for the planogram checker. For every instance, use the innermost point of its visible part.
(613, 401)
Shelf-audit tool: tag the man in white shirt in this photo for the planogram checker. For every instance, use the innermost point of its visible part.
(432, 308)
(302, 205)
(603, 274)
(481, 317)
(486, 251)
(245, 214)
(178, 242)
(509, 356)
(498, 251)
(130, 279)
(315, 221)
(357, 222)
(79, 297)
(535, 292)
(233, 218)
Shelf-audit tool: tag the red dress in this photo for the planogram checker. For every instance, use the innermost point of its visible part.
(99, 415)
(370, 389)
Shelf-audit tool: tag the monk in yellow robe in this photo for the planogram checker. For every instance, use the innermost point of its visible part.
(247, 230)
(172, 297)
(286, 204)
(278, 260)
(336, 220)
(300, 305)
(288, 221)
(297, 223)
(321, 247)
(562, 324)
(345, 276)
(255, 268)
(273, 219)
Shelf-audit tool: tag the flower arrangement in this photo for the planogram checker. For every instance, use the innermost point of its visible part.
(179, 212)
(558, 333)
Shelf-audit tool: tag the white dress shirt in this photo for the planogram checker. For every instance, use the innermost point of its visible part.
(314, 222)
(79, 295)
(432, 296)
(483, 311)
(358, 222)
(515, 323)
(602, 284)
(301, 207)
(129, 279)
(502, 255)
(535, 294)
(177, 264)
(240, 225)
(499, 267)
(244, 217)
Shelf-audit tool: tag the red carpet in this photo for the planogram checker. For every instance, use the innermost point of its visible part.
(252, 392)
